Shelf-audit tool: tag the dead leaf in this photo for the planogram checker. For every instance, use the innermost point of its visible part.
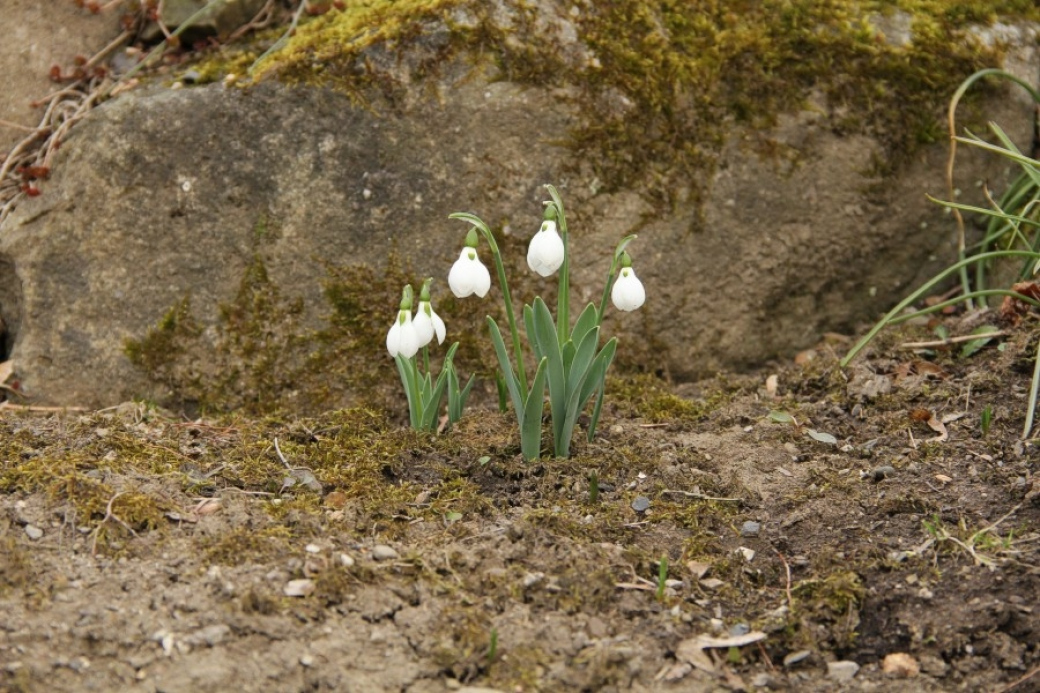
(917, 370)
(675, 672)
(6, 369)
(943, 478)
(940, 428)
(697, 568)
(692, 650)
(207, 506)
(1013, 309)
(772, 383)
(920, 415)
(821, 437)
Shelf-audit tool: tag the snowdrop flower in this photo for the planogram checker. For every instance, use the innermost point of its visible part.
(628, 292)
(427, 323)
(403, 339)
(469, 275)
(545, 254)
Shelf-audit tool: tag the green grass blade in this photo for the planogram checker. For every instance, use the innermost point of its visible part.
(1030, 169)
(987, 212)
(975, 141)
(924, 289)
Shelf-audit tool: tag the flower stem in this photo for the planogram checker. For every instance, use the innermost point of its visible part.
(606, 291)
(563, 322)
(510, 315)
(500, 268)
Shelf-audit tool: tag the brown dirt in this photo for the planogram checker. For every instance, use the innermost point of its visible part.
(167, 546)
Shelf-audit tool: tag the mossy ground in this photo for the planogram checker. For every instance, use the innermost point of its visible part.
(208, 520)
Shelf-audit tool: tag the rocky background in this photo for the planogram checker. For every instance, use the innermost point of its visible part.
(223, 223)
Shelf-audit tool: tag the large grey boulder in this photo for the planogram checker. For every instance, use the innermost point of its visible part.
(164, 193)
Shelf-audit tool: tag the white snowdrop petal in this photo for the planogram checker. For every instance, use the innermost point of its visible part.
(438, 327)
(423, 325)
(409, 343)
(393, 339)
(545, 253)
(402, 338)
(481, 279)
(469, 275)
(628, 293)
(458, 276)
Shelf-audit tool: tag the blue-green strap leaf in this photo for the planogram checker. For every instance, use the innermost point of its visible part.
(506, 368)
(531, 425)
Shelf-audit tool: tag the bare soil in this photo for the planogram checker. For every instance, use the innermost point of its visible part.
(864, 516)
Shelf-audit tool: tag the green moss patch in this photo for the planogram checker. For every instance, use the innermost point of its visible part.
(659, 84)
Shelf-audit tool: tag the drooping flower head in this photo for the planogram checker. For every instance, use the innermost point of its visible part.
(427, 323)
(469, 275)
(628, 292)
(546, 252)
(402, 339)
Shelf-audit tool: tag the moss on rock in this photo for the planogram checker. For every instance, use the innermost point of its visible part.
(657, 85)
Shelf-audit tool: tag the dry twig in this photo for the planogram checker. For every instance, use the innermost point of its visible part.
(109, 516)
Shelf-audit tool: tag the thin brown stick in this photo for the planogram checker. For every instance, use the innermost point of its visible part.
(951, 340)
(765, 656)
(109, 515)
(1022, 679)
(787, 569)
(16, 126)
(32, 408)
(700, 496)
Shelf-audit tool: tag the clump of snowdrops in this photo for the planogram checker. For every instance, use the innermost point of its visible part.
(569, 361)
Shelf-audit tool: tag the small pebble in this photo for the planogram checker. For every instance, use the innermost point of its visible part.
(382, 552)
(900, 664)
(299, 588)
(307, 660)
(883, 472)
(346, 560)
(750, 528)
(641, 504)
(33, 532)
(532, 579)
(796, 657)
(762, 680)
(843, 671)
(739, 629)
